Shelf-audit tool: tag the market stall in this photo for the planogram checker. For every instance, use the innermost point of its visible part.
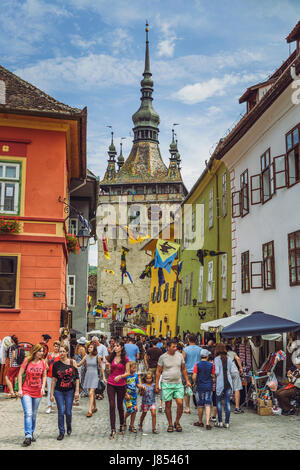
(257, 325)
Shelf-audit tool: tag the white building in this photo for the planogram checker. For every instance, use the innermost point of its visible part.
(262, 154)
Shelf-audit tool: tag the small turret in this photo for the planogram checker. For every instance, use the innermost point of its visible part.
(120, 157)
(110, 173)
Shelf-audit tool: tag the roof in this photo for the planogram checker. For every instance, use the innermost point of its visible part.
(21, 95)
(253, 88)
(144, 165)
(294, 34)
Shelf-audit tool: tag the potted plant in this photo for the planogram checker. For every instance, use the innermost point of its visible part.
(72, 243)
(9, 226)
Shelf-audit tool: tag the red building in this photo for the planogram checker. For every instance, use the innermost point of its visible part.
(42, 147)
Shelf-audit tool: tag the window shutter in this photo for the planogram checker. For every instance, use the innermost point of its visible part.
(256, 189)
(209, 286)
(280, 172)
(200, 286)
(236, 204)
(191, 289)
(211, 209)
(256, 269)
(224, 276)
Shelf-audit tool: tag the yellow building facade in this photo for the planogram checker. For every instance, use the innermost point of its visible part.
(162, 300)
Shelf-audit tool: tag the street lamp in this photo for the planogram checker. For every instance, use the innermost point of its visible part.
(83, 237)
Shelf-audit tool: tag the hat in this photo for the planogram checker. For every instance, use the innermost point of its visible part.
(46, 337)
(95, 338)
(204, 353)
(82, 340)
(7, 342)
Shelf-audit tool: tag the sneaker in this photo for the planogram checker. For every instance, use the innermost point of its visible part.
(226, 425)
(49, 410)
(238, 411)
(213, 419)
(160, 409)
(27, 442)
(218, 425)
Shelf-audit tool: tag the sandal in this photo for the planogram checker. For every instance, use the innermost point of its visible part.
(89, 415)
(94, 410)
(187, 412)
(200, 425)
(122, 429)
(170, 429)
(177, 427)
(140, 428)
(132, 429)
(154, 431)
(112, 434)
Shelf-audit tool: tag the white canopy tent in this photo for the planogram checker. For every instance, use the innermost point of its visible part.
(220, 323)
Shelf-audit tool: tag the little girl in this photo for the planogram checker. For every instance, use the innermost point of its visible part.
(148, 402)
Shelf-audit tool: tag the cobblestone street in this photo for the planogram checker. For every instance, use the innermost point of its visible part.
(247, 431)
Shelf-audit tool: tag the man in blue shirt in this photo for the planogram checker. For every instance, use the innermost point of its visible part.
(191, 356)
(132, 351)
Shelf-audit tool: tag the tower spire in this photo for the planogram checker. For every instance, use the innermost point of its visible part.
(146, 120)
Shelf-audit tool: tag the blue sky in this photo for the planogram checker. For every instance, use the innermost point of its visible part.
(204, 54)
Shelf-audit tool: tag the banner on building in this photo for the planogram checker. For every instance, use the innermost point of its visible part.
(165, 254)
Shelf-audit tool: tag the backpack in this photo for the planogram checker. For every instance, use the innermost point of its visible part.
(20, 355)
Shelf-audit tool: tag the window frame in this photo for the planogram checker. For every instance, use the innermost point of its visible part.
(267, 173)
(245, 272)
(224, 194)
(294, 147)
(244, 193)
(15, 274)
(293, 251)
(17, 186)
(211, 208)
(69, 288)
(265, 265)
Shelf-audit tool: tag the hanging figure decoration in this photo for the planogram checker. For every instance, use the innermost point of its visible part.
(201, 254)
(132, 236)
(125, 273)
(105, 246)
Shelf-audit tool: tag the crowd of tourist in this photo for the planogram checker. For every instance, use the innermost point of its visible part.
(156, 369)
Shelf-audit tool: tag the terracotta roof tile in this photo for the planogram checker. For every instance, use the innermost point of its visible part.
(22, 96)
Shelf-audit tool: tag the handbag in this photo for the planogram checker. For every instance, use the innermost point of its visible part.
(16, 386)
(100, 387)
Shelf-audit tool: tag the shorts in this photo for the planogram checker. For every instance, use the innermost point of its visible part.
(204, 399)
(130, 406)
(236, 382)
(190, 377)
(172, 391)
(144, 408)
(141, 368)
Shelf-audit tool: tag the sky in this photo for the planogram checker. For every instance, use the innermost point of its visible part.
(204, 54)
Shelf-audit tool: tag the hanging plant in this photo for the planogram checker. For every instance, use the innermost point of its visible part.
(9, 226)
(72, 243)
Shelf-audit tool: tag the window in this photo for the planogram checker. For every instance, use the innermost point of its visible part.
(268, 265)
(257, 273)
(71, 291)
(174, 291)
(267, 173)
(191, 289)
(245, 272)
(154, 295)
(293, 156)
(224, 276)
(8, 281)
(73, 226)
(158, 294)
(200, 285)
(210, 283)
(294, 258)
(244, 198)
(224, 194)
(186, 290)
(9, 187)
(211, 209)
(166, 292)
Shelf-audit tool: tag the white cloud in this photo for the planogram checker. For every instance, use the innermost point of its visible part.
(78, 41)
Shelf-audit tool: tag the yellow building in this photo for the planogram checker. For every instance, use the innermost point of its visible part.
(162, 300)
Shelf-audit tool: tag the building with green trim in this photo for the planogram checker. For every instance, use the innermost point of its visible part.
(205, 291)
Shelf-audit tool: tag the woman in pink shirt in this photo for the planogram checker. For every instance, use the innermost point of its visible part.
(118, 364)
(32, 390)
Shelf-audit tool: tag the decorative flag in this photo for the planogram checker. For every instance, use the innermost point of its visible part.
(201, 254)
(165, 254)
(105, 246)
(133, 237)
(125, 273)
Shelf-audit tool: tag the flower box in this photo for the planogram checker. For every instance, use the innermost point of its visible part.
(9, 226)
(72, 243)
